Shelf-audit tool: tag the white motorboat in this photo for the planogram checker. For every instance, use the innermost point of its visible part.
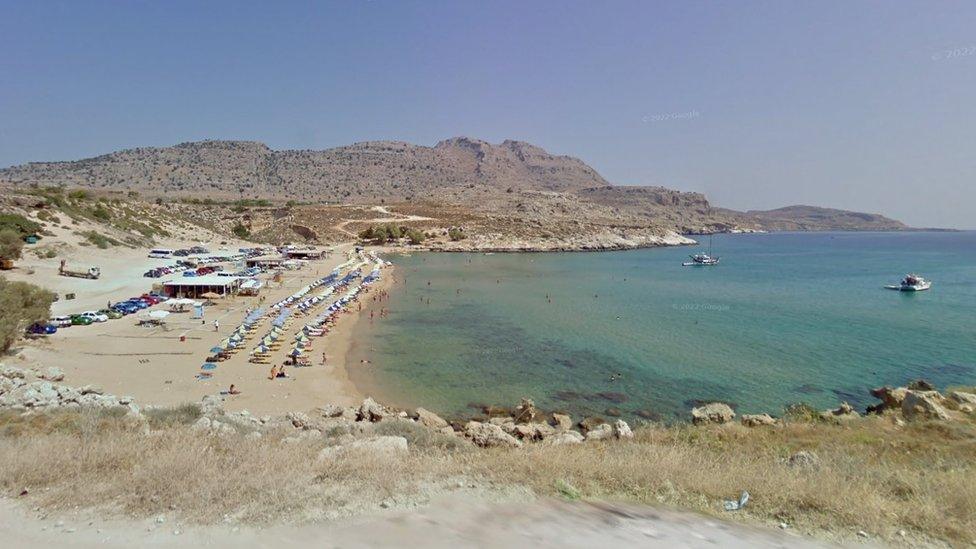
(911, 283)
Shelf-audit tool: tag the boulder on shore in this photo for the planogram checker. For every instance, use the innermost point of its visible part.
(891, 398)
(844, 411)
(371, 411)
(488, 435)
(564, 437)
(430, 419)
(526, 411)
(713, 412)
(589, 423)
(621, 430)
(531, 431)
(923, 405)
(757, 420)
(963, 397)
(562, 422)
(600, 432)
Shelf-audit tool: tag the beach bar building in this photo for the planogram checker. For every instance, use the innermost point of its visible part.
(265, 262)
(306, 254)
(196, 286)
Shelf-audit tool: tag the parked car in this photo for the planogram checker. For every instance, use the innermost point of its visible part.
(151, 299)
(111, 313)
(63, 321)
(95, 316)
(159, 296)
(80, 320)
(125, 308)
(42, 328)
(138, 303)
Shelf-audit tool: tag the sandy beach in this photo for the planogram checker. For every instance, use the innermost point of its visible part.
(160, 365)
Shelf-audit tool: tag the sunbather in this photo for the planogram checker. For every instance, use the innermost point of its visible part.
(233, 390)
(274, 372)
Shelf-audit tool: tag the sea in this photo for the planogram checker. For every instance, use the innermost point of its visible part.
(784, 318)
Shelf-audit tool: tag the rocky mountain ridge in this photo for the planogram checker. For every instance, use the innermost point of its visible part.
(513, 188)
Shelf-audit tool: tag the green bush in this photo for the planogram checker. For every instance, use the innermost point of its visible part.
(11, 244)
(18, 223)
(79, 194)
(101, 213)
(415, 236)
(21, 304)
(455, 234)
(240, 231)
(99, 240)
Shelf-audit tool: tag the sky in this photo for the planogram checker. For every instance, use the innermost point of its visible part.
(869, 106)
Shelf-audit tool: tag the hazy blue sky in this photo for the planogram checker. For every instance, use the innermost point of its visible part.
(757, 104)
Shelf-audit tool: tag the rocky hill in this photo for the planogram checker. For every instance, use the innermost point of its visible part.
(511, 195)
(812, 218)
(362, 172)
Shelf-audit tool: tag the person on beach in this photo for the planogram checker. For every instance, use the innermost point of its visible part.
(216, 325)
(233, 390)
(274, 372)
(281, 371)
(323, 359)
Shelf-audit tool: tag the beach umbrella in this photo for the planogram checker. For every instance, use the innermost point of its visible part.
(296, 352)
(159, 315)
(216, 349)
(208, 366)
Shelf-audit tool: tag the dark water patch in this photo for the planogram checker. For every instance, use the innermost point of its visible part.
(807, 389)
(565, 362)
(613, 412)
(616, 398)
(856, 398)
(567, 396)
(649, 415)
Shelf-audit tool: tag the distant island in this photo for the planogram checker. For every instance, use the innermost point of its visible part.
(512, 196)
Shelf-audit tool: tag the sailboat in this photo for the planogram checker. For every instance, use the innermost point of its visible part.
(702, 259)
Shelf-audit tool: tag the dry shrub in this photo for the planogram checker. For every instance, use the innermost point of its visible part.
(871, 474)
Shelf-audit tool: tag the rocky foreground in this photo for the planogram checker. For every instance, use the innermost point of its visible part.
(351, 428)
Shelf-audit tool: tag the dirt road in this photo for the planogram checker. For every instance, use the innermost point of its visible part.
(452, 522)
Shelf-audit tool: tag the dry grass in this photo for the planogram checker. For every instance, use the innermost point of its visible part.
(872, 475)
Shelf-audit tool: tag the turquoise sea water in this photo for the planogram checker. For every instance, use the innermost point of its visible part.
(784, 318)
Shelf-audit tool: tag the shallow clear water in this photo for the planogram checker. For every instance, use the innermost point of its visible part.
(784, 318)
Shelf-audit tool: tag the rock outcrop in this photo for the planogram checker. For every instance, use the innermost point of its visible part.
(923, 405)
(430, 419)
(488, 435)
(757, 420)
(713, 412)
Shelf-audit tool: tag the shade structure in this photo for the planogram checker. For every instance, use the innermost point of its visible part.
(216, 349)
(296, 352)
(158, 315)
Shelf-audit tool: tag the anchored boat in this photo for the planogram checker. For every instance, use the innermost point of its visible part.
(702, 259)
(911, 283)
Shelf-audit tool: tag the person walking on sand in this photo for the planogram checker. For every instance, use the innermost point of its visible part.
(274, 372)
(216, 325)
(323, 359)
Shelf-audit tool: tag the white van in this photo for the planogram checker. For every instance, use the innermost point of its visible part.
(160, 253)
